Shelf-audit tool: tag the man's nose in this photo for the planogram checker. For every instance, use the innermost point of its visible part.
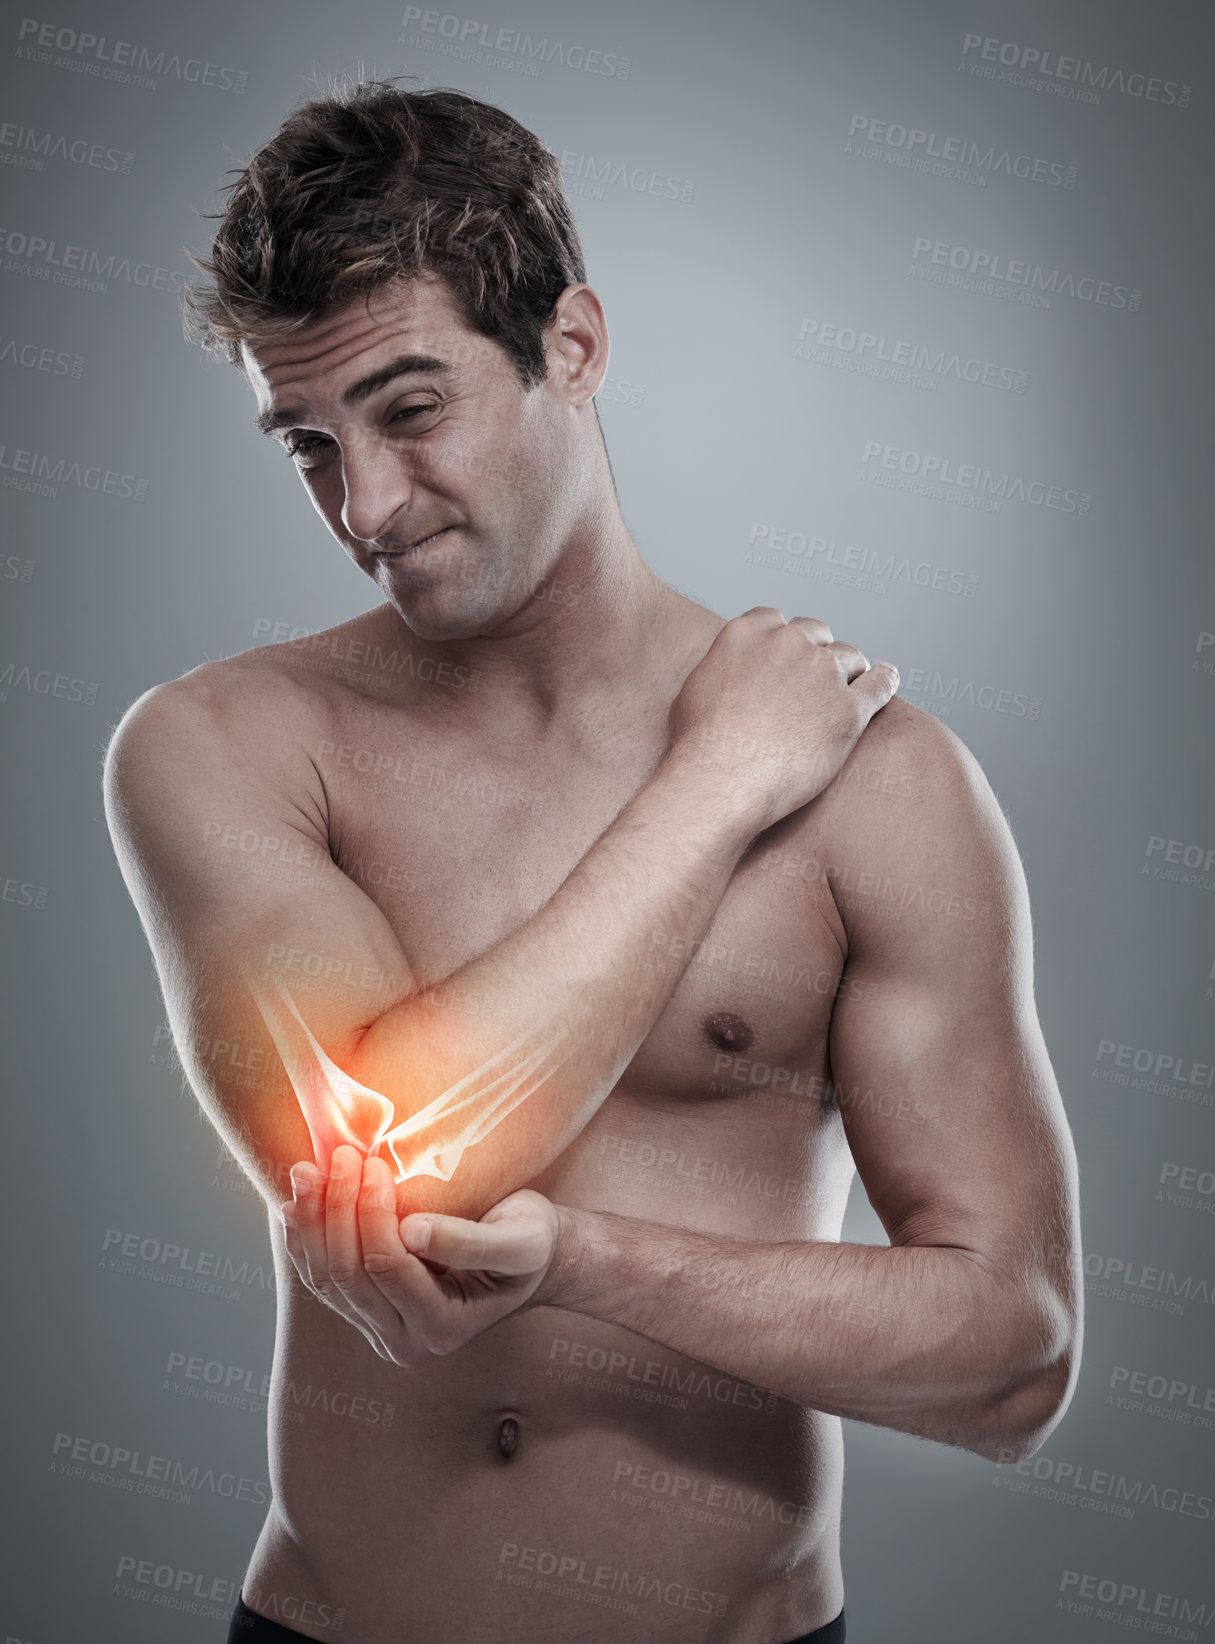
(377, 487)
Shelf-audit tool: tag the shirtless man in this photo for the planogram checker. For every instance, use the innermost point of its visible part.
(707, 911)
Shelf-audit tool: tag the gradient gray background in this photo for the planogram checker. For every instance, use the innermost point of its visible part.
(1099, 624)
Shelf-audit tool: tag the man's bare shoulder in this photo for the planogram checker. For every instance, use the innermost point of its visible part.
(259, 702)
(912, 807)
(233, 707)
(244, 726)
(918, 757)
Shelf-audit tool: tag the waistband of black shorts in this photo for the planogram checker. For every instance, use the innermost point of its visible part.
(832, 1633)
(247, 1627)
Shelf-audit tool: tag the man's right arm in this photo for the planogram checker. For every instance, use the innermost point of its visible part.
(198, 758)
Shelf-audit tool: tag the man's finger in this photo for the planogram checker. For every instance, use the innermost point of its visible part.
(291, 1238)
(877, 685)
(378, 1231)
(409, 1288)
(815, 629)
(367, 1201)
(395, 1286)
(385, 1257)
(515, 1245)
(295, 1251)
(304, 1230)
(345, 1255)
(853, 662)
(308, 1188)
(765, 616)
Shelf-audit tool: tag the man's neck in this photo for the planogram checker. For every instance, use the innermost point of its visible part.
(604, 633)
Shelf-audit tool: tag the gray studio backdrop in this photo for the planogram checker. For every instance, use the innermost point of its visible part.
(911, 317)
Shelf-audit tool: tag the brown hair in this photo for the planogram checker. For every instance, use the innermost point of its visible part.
(370, 184)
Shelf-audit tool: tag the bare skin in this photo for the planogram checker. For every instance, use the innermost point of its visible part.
(773, 921)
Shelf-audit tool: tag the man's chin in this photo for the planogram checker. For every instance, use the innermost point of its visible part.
(438, 627)
(441, 613)
(443, 602)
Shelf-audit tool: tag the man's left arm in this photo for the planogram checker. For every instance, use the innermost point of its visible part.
(966, 1328)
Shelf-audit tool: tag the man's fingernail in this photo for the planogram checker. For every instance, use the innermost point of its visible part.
(299, 1184)
(418, 1237)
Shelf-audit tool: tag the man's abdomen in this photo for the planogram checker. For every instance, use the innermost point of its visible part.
(637, 1493)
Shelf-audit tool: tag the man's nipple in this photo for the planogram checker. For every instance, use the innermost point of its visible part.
(728, 1032)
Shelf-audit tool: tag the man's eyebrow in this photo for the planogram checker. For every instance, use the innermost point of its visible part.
(407, 365)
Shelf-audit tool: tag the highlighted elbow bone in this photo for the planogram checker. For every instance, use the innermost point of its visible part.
(338, 1109)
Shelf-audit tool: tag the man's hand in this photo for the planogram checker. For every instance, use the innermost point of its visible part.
(776, 707)
(421, 1283)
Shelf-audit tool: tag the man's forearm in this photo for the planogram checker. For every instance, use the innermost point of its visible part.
(575, 989)
(924, 1339)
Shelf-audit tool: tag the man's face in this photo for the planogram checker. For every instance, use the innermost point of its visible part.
(445, 480)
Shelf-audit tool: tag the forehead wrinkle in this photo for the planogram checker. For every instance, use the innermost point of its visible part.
(282, 378)
(304, 349)
(398, 306)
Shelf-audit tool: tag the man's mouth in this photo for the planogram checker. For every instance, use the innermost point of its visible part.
(413, 547)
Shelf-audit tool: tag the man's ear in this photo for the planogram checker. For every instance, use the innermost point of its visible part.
(577, 345)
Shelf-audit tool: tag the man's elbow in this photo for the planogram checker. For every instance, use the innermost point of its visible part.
(1021, 1416)
(1020, 1422)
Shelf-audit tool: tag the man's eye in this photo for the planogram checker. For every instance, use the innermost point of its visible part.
(410, 411)
(315, 445)
(306, 447)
